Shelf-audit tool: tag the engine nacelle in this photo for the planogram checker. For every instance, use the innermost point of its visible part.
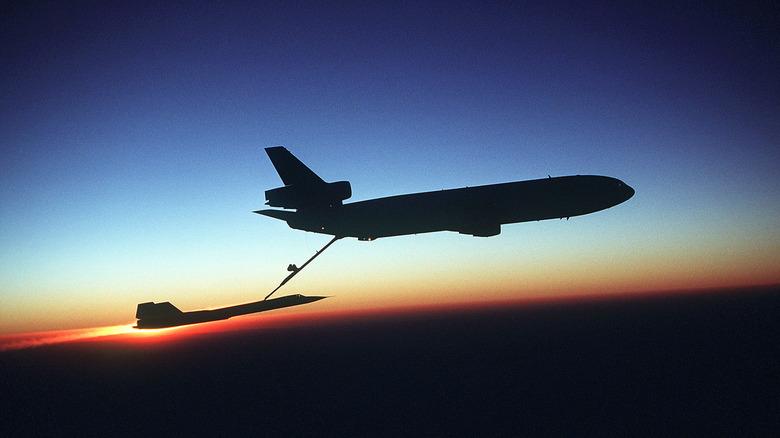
(487, 229)
(309, 196)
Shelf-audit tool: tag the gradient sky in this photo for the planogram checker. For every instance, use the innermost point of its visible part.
(132, 139)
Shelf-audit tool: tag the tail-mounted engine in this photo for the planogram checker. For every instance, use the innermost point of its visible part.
(308, 196)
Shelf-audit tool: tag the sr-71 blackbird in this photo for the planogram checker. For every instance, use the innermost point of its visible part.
(164, 315)
(478, 211)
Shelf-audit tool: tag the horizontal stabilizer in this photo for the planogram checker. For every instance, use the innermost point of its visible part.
(277, 214)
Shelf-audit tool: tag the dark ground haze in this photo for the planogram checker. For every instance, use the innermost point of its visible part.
(705, 362)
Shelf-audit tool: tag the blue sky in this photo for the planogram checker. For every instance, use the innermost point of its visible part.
(133, 134)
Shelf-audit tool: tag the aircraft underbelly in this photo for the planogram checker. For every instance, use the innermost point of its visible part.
(478, 210)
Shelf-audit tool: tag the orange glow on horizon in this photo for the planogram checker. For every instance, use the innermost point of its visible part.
(30, 340)
(128, 335)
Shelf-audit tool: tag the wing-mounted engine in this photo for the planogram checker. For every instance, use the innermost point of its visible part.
(307, 196)
(478, 226)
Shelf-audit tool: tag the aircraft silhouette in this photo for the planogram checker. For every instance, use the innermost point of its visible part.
(477, 211)
(163, 315)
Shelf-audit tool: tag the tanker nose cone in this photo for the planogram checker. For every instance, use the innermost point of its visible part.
(622, 191)
(628, 192)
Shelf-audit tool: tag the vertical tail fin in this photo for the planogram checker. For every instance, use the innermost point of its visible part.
(290, 169)
(158, 310)
(303, 189)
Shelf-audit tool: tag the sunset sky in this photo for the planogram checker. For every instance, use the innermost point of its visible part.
(132, 136)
